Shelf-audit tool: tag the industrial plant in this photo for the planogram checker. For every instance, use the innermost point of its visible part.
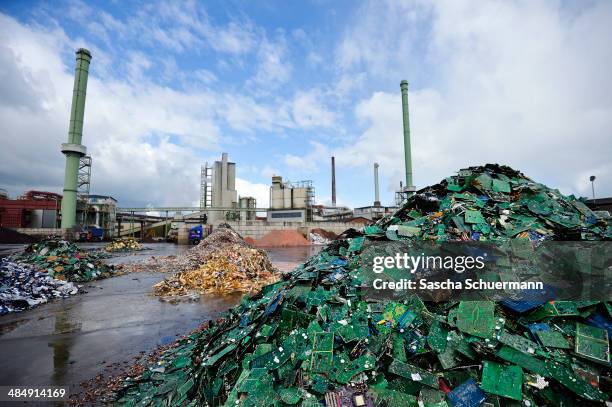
(242, 220)
(76, 214)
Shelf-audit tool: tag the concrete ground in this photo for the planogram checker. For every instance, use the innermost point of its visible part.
(66, 342)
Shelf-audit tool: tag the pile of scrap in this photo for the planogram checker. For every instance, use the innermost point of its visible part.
(193, 258)
(222, 264)
(491, 203)
(63, 260)
(315, 338)
(22, 288)
(124, 244)
(321, 236)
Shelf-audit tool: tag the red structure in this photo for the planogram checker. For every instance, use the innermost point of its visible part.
(18, 213)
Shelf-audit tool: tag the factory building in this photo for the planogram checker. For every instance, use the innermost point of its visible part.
(99, 211)
(218, 189)
(33, 209)
(247, 202)
(373, 212)
(290, 201)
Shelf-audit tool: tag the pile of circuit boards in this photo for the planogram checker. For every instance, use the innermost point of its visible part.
(64, 260)
(316, 338)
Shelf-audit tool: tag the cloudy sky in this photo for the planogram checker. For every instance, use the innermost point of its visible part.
(281, 86)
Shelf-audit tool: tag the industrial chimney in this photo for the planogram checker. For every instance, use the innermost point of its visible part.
(73, 149)
(333, 169)
(376, 190)
(407, 152)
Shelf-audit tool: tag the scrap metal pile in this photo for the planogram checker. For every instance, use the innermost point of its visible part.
(315, 338)
(125, 244)
(63, 260)
(23, 288)
(222, 263)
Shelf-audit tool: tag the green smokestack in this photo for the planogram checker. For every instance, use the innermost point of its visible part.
(407, 152)
(73, 148)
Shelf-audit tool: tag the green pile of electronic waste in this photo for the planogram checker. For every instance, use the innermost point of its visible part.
(316, 338)
(64, 260)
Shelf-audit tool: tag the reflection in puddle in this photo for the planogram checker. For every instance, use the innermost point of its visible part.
(62, 344)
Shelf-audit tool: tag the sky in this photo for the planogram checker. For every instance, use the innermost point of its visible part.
(282, 86)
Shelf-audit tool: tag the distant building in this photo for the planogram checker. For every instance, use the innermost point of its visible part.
(99, 211)
(33, 209)
(290, 201)
(600, 204)
(322, 212)
(222, 188)
(373, 212)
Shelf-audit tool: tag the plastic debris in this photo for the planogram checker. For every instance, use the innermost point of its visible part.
(315, 338)
(126, 244)
(63, 260)
(227, 265)
(22, 288)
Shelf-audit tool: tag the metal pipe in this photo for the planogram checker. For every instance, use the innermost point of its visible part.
(73, 149)
(333, 169)
(376, 190)
(407, 152)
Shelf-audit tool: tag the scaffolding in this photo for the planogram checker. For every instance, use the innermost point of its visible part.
(84, 177)
(83, 187)
(206, 186)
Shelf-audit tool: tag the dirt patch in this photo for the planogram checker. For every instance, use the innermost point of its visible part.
(282, 238)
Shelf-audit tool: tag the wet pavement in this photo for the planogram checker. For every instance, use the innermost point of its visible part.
(66, 342)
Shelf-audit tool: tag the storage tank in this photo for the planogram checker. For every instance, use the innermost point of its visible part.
(247, 202)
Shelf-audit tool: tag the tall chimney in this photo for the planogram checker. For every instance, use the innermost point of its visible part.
(73, 149)
(333, 164)
(376, 191)
(407, 152)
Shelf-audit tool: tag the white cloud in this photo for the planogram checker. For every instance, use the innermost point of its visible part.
(128, 125)
(310, 161)
(261, 192)
(274, 68)
(537, 98)
(205, 76)
(269, 171)
(144, 138)
(309, 111)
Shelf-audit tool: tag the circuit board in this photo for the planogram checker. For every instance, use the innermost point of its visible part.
(476, 318)
(592, 343)
(503, 380)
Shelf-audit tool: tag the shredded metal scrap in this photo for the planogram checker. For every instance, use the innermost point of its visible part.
(316, 339)
(126, 244)
(222, 263)
(23, 288)
(234, 269)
